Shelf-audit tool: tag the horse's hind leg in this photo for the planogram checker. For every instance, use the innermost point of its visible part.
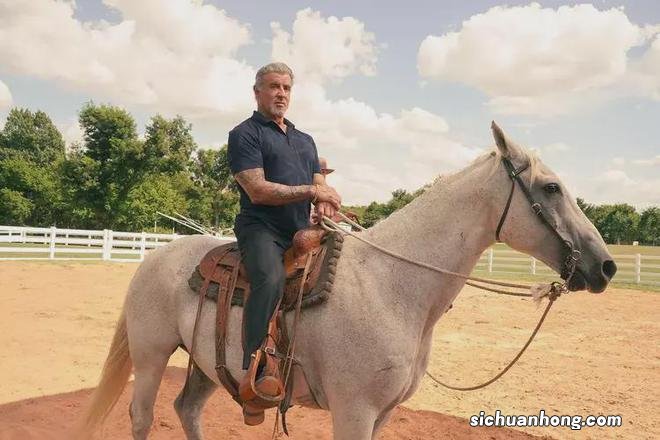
(190, 402)
(148, 369)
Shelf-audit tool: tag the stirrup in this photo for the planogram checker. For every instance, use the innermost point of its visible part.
(252, 415)
(267, 390)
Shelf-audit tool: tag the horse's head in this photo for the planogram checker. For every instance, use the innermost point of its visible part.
(544, 220)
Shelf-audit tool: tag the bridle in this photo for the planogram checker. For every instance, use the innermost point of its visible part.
(572, 254)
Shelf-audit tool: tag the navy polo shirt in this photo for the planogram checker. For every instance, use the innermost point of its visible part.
(289, 158)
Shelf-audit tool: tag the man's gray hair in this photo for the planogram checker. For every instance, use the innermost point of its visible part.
(272, 68)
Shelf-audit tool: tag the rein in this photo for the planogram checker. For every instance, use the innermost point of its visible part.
(552, 297)
(539, 291)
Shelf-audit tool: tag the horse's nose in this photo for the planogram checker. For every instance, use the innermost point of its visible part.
(609, 268)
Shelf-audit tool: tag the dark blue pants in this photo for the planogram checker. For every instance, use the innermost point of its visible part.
(262, 250)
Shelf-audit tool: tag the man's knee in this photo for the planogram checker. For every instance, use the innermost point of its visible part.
(271, 278)
(263, 259)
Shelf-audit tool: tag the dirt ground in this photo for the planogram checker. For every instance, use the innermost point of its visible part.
(596, 355)
(43, 419)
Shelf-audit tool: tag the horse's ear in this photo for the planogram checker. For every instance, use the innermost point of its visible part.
(507, 148)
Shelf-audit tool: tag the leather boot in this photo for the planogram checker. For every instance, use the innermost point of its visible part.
(261, 387)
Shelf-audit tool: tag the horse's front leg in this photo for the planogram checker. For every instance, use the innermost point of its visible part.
(353, 421)
(381, 421)
(360, 412)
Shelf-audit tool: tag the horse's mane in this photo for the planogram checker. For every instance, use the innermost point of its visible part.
(443, 180)
(494, 155)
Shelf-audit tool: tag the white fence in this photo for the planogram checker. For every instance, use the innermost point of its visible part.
(634, 269)
(25, 243)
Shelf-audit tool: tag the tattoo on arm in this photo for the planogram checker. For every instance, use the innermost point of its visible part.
(263, 192)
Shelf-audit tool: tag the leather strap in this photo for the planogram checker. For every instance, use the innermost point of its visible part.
(572, 254)
(505, 212)
(222, 315)
(513, 174)
(202, 295)
(291, 349)
(200, 305)
(536, 206)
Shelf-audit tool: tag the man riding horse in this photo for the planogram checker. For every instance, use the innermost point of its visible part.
(277, 168)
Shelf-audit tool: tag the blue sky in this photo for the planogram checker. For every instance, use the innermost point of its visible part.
(393, 92)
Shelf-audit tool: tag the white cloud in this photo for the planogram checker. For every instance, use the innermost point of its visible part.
(616, 186)
(173, 56)
(6, 99)
(646, 72)
(616, 177)
(71, 132)
(557, 147)
(322, 48)
(180, 56)
(652, 161)
(372, 152)
(623, 182)
(618, 161)
(534, 60)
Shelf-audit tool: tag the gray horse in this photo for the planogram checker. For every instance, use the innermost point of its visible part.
(366, 349)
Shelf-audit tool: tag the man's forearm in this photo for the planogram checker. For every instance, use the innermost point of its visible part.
(275, 194)
(263, 192)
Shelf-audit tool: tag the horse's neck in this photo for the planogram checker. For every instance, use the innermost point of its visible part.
(448, 226)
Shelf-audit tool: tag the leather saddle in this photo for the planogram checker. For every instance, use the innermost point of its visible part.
(218, 264)
(310, 266)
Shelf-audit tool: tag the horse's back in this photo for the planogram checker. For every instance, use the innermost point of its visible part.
(159, 294)
(172, 264)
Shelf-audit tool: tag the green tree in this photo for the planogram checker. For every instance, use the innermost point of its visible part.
(110, 140)
(157, 192)
(31, 136)
(41, 185)
(31, 149)
(15, 208)
(104, 128)
(616, 223)
(377, 211)
(79, 174)
(587, 208)
(649, 226)
(169, 144)
(214, 197)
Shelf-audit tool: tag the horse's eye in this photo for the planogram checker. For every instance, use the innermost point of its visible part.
(551, 188)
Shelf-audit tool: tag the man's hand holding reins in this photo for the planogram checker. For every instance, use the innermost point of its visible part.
(325, 194)
(323, 209)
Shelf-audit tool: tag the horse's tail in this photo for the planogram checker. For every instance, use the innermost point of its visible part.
(115, 375)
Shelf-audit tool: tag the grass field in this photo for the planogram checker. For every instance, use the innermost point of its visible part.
(524, 277)
(514, 266)
(519, 269)
(615, 249)
(62, 251)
